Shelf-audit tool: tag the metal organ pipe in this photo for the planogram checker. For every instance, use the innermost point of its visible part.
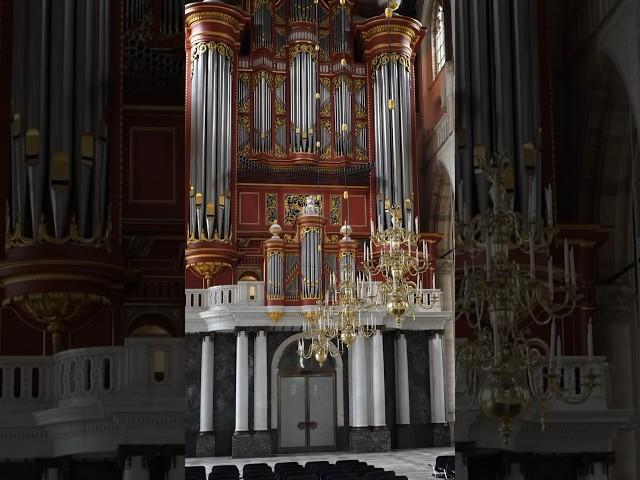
(59, 53)
(210, 158)
(394, 177)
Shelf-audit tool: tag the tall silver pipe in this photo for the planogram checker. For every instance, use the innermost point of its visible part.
(395, 137)
(199, 133)
(212, 146)
(405, 130)
(303, 98)
(227, 144)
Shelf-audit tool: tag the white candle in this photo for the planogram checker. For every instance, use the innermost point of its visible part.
(417, 223)
(550, 276)
(590, 341)
(551, 343)
(566, 261)
(433, 279)
(532, 260)
(572, 264)
(559, 352)
(372, 229)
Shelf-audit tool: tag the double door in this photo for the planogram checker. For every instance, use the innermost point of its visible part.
(307, 413)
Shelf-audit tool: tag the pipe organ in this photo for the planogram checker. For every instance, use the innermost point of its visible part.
(306, 89)
(59, 129)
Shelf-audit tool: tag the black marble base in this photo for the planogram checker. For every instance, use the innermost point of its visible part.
(369, 439)
(247, 445)
(206, 444)
(441, 435)
(406, 436)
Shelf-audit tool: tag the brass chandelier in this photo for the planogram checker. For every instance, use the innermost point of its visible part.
(504, 366)
(392, 254)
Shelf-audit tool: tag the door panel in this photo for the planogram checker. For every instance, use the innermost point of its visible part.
(307, 413)
(321, 412)
(292, 412)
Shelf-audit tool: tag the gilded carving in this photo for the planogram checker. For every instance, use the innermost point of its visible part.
(335, 211)
(271, 208)
(293, 206)
(385, 58)
(222, 49)
(198, 17)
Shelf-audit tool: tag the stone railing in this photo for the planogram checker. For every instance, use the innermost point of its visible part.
(143, 366)
(574, 371)
(26, 379)
(251, 294)
(82, 372)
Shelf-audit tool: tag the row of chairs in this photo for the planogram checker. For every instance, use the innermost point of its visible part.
(314, 470)
(445, 467)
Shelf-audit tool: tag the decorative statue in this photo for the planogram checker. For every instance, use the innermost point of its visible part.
(311, 207)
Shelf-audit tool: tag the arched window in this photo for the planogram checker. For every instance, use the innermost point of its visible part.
(437, 38)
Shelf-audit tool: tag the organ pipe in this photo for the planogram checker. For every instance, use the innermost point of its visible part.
(211, 140)
(59, 129)
(393, 159)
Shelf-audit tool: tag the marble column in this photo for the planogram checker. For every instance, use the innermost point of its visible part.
(403, 413)
(515, 472)
(446, 281)
(205, 442)
(51, 474)
(436, 377)
(260, 382)
(135, 469)
(597, 471)
(462, 472)
(206, 385)
(377, 380)
(358, 363)
(177, 470)
(242, 382)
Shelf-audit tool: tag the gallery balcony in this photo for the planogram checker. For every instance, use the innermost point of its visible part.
(227, 307)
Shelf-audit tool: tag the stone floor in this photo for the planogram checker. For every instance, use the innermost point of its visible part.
(412, 463)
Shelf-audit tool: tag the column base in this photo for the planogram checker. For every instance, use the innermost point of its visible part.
(369, 439)
(247, 445)
(206, 444)
(441, 434)
(406, 436)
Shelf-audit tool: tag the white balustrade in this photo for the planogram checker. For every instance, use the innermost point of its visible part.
(574, 370)
(251, 294)
(145, 365)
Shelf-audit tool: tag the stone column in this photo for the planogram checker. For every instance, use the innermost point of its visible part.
(205, 443)
(462, 472)
(260, 382)
(51, 473)
(242, 382)
(177, 470)
(436, 377)
(359, 377)
(446, 282)
(597, 471)
(377, 377)
(135, 469)
(403, 414)
(516, 472)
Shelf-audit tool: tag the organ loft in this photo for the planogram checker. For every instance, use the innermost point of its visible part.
(302, 143)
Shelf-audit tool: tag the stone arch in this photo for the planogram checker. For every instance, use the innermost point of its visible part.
(441, 207)
(606, 145)
(151, 325)
(275, 361)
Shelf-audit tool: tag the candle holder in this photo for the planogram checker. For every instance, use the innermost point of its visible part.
(501, 299)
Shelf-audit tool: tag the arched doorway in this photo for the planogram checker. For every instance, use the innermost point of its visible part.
(306, 400)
